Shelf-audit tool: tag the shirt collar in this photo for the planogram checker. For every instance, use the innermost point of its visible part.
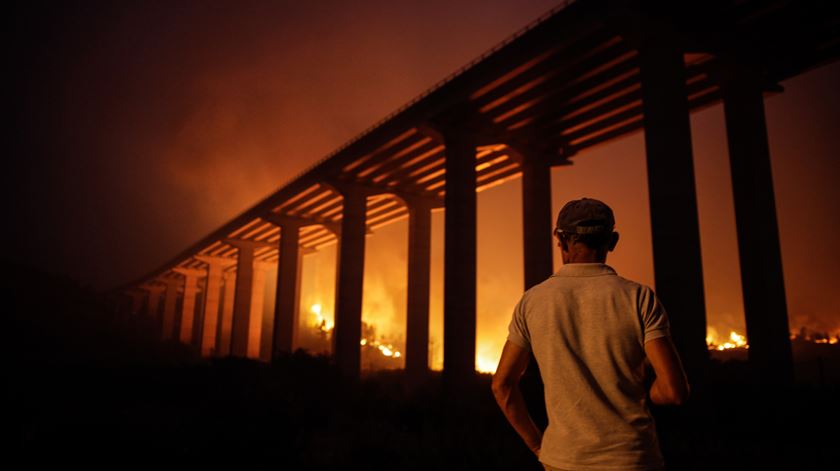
(585, 269)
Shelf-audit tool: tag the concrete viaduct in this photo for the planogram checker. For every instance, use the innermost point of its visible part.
(588, 72)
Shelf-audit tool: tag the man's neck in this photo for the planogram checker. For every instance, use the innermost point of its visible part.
(585, 257)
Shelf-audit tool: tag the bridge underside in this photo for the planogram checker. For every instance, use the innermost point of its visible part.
(586, 74)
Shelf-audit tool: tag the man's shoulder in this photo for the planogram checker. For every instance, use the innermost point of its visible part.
(552, 284)
(633, 283)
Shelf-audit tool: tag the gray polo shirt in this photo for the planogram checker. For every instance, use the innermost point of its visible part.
(587, 327)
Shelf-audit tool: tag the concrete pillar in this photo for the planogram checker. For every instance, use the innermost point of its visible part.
(225, 327)
(137, 298)
(243, 295)
(212, 298)
(762, 280)
(459, 289)
(191, 277)
(536, 219)
(153, 302)
(350, 278)
(138, 302)
(121, 303)
(673, 203)
(286, 306)
(419, 271)
(176, 327)
(257, 316)
(170, 302)
(198, 322)
(267, 317)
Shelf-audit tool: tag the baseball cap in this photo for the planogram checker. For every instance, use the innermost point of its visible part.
(585, 216)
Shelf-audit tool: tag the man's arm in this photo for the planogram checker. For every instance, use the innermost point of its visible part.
(670, 385)
(509, 397)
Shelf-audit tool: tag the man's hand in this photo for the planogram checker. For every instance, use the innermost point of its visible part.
(509, 397)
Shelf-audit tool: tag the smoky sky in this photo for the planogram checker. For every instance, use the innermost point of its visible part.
(145, 125)
(140, 127)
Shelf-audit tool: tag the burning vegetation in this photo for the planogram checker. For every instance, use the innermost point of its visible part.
(715, 342)
(737, 341)
(378, 352)
(381, 352)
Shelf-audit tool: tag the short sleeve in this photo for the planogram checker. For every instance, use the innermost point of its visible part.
(654, 318)
(518, 328)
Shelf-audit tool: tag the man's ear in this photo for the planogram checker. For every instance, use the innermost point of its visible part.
(613, 241)
(564, 246)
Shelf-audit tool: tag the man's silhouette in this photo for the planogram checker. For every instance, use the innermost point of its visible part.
(592, 333)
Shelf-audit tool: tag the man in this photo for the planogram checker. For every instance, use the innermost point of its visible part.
(592, 333)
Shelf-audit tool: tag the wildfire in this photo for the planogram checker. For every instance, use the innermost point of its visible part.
(486, 360)
(735, 340)
(326, 326)
(387, 350)
(322, 323)
(816, 337)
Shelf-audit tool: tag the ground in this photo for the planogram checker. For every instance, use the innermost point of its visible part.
(90, 387)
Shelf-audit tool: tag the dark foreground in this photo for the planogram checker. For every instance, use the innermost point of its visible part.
(89, 388)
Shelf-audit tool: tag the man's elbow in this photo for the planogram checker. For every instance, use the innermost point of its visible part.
(679, 396)
(676, 396)
(670, 394)
(501, 387)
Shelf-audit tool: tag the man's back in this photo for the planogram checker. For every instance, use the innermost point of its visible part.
(587, 327)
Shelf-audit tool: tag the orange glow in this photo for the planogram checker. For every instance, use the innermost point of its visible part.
(487, 356)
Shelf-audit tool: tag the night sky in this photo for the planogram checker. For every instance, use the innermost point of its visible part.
(140, 127)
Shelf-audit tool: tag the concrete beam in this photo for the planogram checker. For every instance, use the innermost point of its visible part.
(485, 132)
(283, 220)
(368, 189)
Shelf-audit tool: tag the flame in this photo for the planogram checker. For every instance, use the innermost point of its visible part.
(321, 323)
(816, 337)
(326, 326)
(487, 354)
(387, 350)
(735, 340)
